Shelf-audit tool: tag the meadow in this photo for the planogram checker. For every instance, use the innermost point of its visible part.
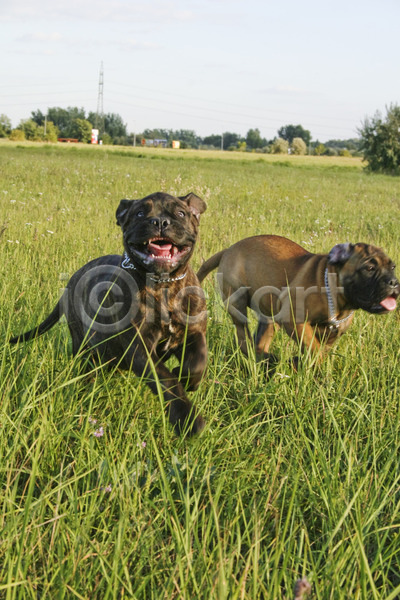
(293, 476)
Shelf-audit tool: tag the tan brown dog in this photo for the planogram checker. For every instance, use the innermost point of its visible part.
(313, 296)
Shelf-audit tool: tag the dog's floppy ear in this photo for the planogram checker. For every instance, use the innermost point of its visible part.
(340, 253)
(122, 211)
(196, 205)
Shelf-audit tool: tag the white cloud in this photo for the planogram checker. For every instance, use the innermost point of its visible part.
(40, 37)
(132, 45)
(286, 90)
(74, 42)
(132, 11)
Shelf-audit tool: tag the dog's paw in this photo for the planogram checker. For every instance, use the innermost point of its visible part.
(198, 425)
(185, 419)
(190, 425)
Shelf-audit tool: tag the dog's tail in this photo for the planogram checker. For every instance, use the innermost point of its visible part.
(47, 324)
(210, 264)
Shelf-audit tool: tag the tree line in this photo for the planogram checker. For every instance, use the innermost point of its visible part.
(292, 139)
(378, 141)
(74, 123)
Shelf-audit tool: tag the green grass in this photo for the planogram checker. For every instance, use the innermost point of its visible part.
(294, 476)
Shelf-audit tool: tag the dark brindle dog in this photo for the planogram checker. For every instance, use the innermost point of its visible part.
(137, 310)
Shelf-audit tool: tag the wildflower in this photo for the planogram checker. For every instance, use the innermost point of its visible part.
(142, 445)
(302, 587)
(107, 489)
(92, 421)
(99, 432)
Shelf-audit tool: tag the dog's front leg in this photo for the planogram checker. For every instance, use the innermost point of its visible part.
(181, 413)
(306, 336)
(193, 361)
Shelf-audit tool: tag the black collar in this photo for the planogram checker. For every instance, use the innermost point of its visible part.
(126, 264)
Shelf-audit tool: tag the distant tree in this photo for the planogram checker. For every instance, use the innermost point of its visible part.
(212, 140)
(187, 138)
(113, 125)
(34, 132)
(331, 151)
(81, 129)
(52, 132)
(38, 117)
(231, 139)
(319, 149)
(289, 132)
(62, 118)
(380, 141)
(254, 139)
(107, 140)
(192, 138)
(65, 120)
(5, 126)
(31, 130)
(298, 146)
(241, 146)
(279, 146)
(352, 144)
(17, 135)
(157, 134)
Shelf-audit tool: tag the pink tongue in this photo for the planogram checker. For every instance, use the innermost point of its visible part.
(160, 250)
(389, 303)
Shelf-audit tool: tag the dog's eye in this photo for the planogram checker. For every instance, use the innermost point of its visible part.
(181, 213)
(140, 213)
(393, 267)
(370, 268)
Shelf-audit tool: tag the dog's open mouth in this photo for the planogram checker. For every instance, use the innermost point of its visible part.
(389, 303)
(160, 251)
(386, 305)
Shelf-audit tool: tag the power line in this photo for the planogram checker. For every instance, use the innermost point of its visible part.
(210, 101)
(187, 107)
(280, 114)
(263, 121)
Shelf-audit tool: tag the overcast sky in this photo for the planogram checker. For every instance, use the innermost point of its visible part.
(206, 65)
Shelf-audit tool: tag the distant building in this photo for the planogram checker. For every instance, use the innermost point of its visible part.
(155, 143)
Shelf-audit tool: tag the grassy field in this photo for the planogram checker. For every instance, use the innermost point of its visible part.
(296, 476)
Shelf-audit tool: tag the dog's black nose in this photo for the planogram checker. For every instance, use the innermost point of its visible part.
(160, 222)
